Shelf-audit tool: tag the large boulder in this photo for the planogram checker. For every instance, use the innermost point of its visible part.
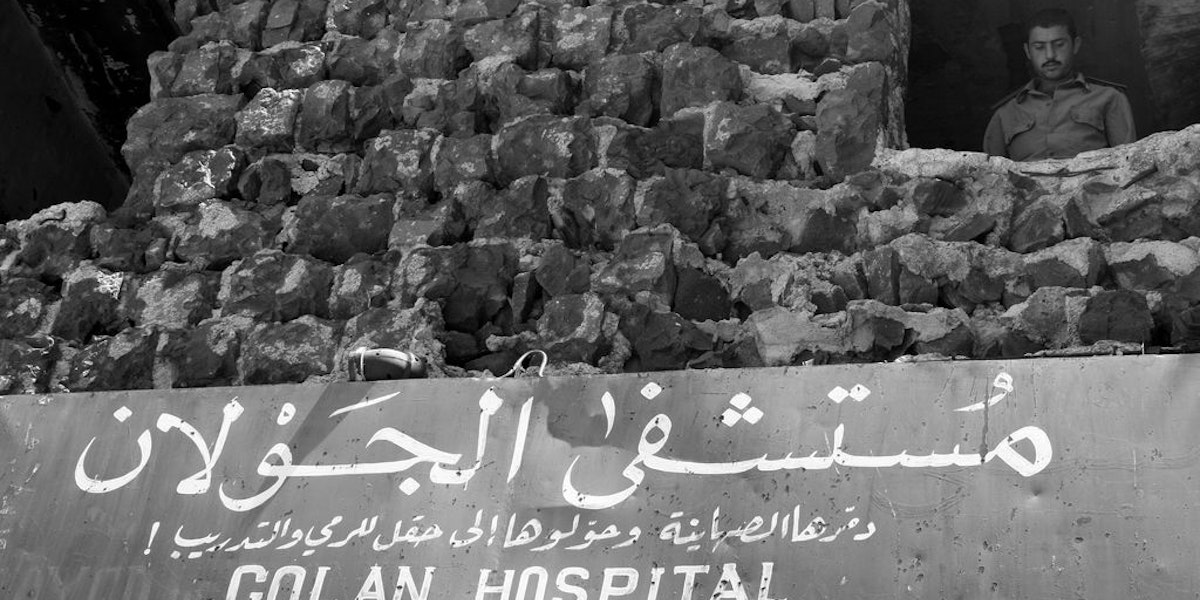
(91, 299)
(217, 233)
(849, 120)
(52, 241)
(433, 49)
(168, 128)
(687, 199)
(323, 123)
(335, 228)
(597, 209)
(471, 281)
(577, 35)
(201, 175)
(625, 86)
(694, 76)
(398, 161)
(572, 328)
(654, 27)
(276, 286)
(544, 145)
(295, 21)
(288, 352)
(751, 140)
(124, 361)
(359, 284)
(268, 120)
(202, 356)
(171, 298)
(23, 302)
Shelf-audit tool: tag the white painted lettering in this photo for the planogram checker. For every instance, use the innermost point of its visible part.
(764, 582)
(235, 581)
(655, 579)
(689, 578)
(504, 589)
(730, 586)
(405, 581)
(297, 574)
(372, 587)
(609, 589)
(568, 588)
(543, 579)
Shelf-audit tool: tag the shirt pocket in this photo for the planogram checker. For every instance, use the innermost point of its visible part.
(1015, 124)
(1091, 117)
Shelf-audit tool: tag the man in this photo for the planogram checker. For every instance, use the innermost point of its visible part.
(1060, 113)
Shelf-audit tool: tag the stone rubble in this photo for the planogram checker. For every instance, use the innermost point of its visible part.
(629, 187)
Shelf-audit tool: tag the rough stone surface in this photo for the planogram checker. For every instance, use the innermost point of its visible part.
(203, 356)
(335, 229)
(168, 128)
(579, 35)
(201, 175)
(288, 352)
(572, 327)
(433, 49)
(122, 362)
(268, 120)
(630, 186)
(625, 86)
(751, 140)
(472, 282)
(171, 298)
(643, 262)
(398, 161)
(694, 76)
(23, 302)
(271, 285)
(359, 284)
(597, 209)
(849, 120)
(25, 368)
(544, 145)
(323, 122)
(91, 297)
(651, 27)
(217, 233)
(458, 160)
(411, 329)
(50, 243)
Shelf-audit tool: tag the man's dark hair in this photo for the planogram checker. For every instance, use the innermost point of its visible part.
(1051, 17)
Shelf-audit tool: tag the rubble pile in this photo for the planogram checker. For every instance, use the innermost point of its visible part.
(628, 186)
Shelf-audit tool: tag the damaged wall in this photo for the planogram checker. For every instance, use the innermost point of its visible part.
(629, 186)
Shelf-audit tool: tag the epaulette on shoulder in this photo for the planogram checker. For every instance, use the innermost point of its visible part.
(1099, 81)
(1006, 98)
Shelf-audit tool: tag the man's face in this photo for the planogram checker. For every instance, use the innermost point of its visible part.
(1051, 51)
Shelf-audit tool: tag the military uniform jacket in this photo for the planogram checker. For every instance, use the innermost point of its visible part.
(1080, 115)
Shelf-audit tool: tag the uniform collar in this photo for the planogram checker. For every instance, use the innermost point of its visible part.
(1031, 86)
